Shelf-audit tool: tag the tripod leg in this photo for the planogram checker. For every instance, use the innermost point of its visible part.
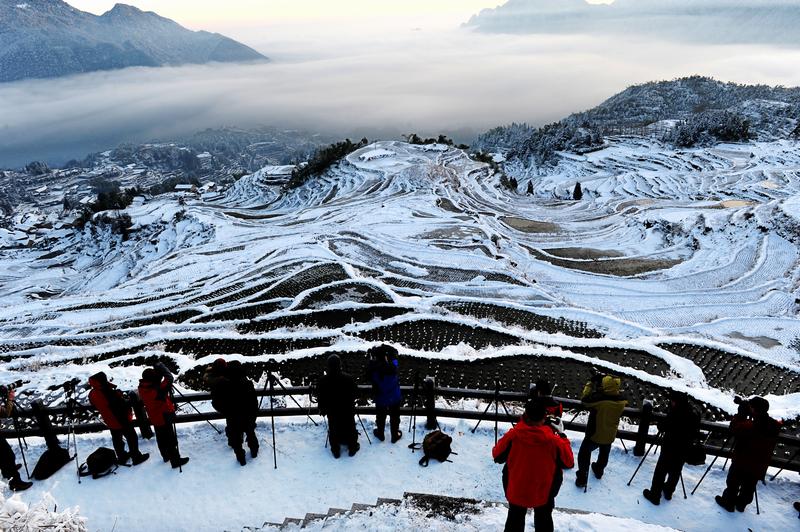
(272, 415)
(364, 428)
(758, 510)
(21, 450)
(623, 444)
(683, 486)
(293, 399)
(642, 461)
(481, 418)
(711, 465)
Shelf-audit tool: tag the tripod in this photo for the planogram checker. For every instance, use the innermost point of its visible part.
(198, 411)
(15, 417)
(722, 449)
(412, 422)
(271, 379)
(496, 401)
(69, 417)
(658, 439)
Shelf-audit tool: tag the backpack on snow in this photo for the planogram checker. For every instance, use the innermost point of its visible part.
(100, 463)
(696, 454)
(51, 461)
(436, 445)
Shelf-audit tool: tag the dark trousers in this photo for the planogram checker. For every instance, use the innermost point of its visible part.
(342, 430)
(118, 438)
(238, 431)
(741, 486)
(667, 473)
(585, 456)
(394, 418)
(167, 441)
(542, 518)
(8, 462)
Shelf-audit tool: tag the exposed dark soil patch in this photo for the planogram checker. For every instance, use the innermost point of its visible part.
(530, 226)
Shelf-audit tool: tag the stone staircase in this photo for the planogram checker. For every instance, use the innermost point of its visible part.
(438, 503)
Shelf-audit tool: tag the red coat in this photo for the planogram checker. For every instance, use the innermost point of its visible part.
(114, 416)
(536, 452)
(755, 443)
(156, 400)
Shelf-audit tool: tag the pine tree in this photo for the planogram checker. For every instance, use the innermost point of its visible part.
(577, 193)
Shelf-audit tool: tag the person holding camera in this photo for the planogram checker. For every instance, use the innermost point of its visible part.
(117, 415)
(756, 435)
(337, 393)
(602, 397)
(234, 396)
(383, 373)
(678, 432)
(8, 462)
(534, 450)
(154, 389)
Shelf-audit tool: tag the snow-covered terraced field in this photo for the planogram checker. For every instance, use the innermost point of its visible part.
(678, 269)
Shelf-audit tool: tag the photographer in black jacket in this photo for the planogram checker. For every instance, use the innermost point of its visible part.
(678, 432)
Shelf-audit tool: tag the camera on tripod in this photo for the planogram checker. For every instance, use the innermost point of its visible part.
(68, 387)
(741, 401)
(5, 389)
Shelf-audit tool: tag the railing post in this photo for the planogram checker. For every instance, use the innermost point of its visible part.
(429, 402)
(644, 428)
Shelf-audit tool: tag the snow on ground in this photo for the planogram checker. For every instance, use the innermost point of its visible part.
(215, 493)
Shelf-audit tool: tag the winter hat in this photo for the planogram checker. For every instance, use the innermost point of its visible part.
(234, 368)
(759, 404)
(150, 375)
(543, 387)
(98, 379)
(535, 409)
(219, 364)
(611, 385)
(334, 364)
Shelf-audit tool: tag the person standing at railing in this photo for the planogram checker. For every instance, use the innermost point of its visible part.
(236, 398)
(117, 415)
(337, 393)
(384, 375)
(602, 397)
(154, 389)
(678, 432)
(534, 450)
(8, 462)
(756, 435)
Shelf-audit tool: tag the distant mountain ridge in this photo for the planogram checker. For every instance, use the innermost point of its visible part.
(704, 110)
(703, 21)
(50, 38)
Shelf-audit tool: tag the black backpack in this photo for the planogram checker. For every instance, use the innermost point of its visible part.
(51, 461)
(696, 454)
(100, 463)
(436, 445)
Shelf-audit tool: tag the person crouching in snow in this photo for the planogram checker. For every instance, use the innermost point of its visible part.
(337, 393)
(383, 373)
(534, 451)
(154, 390)
(117, 415)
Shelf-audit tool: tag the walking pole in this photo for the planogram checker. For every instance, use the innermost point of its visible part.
(198, 411)
(658, 438)
(272, 415)
(787, 463)
(758, 510)
(365, 428)
(623, 444)
(711, 464)
(683, 486)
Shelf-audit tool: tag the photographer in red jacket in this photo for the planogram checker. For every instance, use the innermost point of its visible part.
(534, 450)
(117, 414)
(756, 436)
(154, 389)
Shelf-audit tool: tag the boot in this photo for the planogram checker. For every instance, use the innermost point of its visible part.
(379, 434)
(725, 504)
(354, 449)
(667, 495)
(581, 479)
(396, 436)
(240, 456)
(652, 497)
(17, 484)
(122, 458)
(335, 451)
(740, 507)
(254, 450)
(180, 462)
(138, 459)
(598, 473)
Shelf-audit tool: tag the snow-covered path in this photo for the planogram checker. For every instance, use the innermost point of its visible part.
(215, 493)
